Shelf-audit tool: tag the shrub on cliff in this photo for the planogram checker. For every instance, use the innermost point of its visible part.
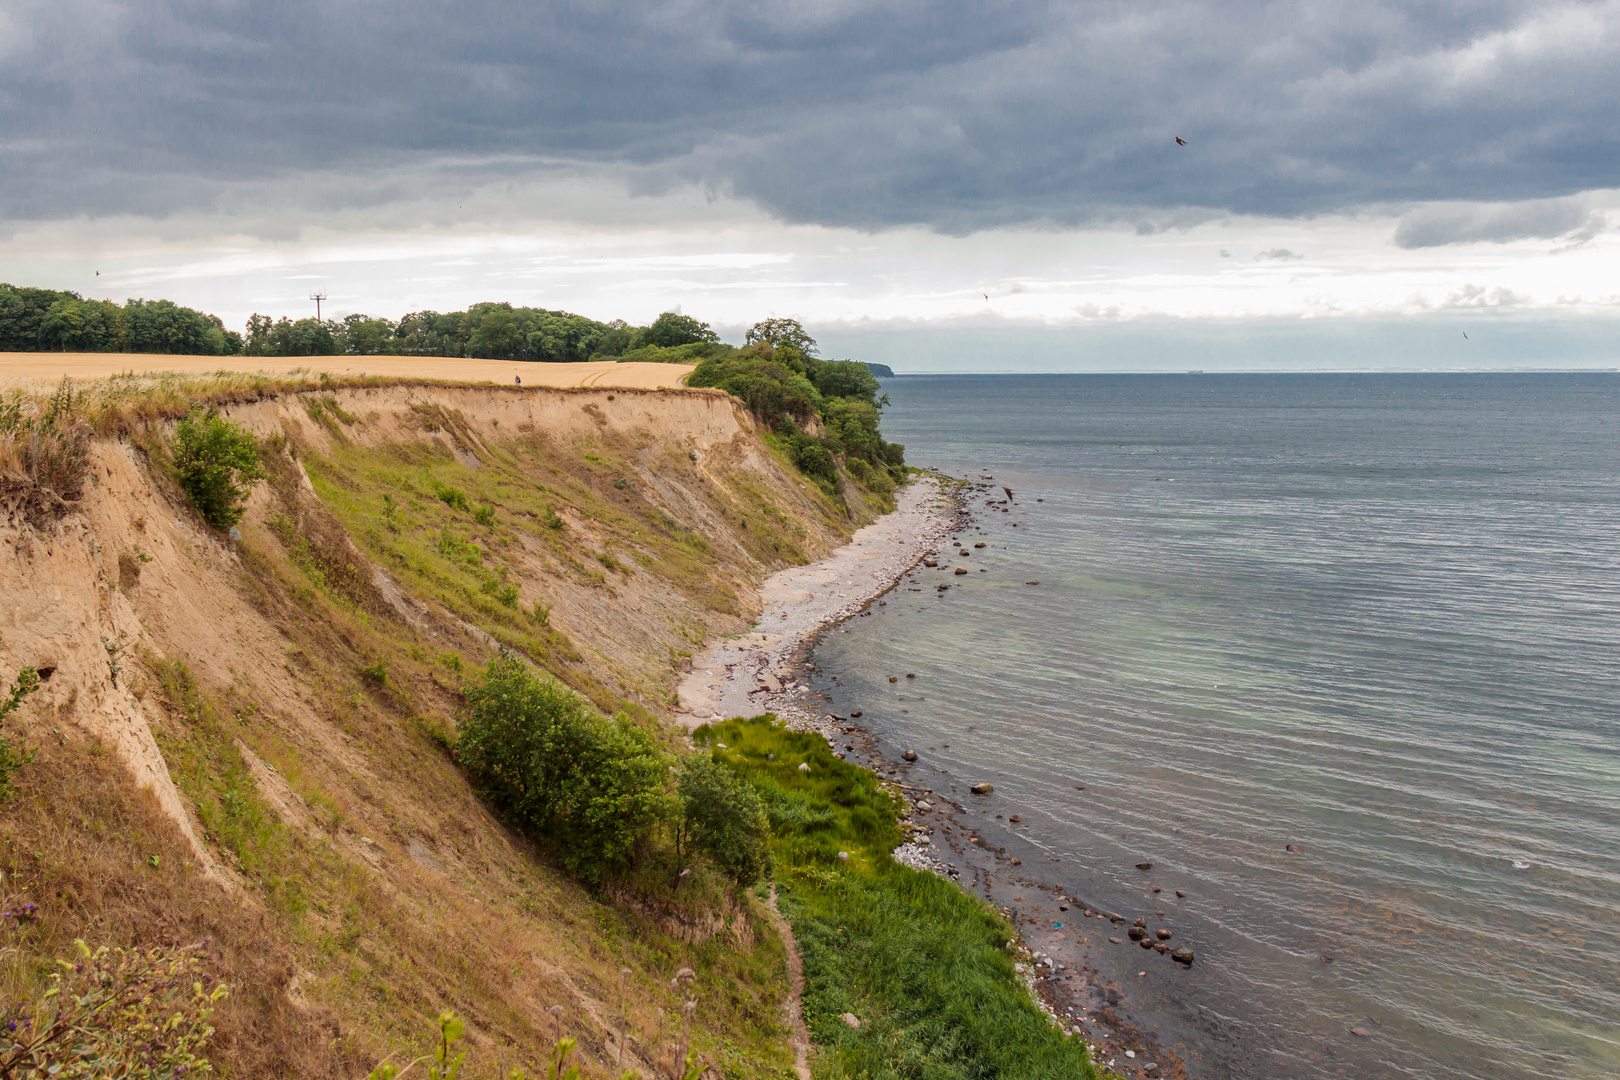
(216, 462)
(722, 816)
(592, 788)
(12, 759)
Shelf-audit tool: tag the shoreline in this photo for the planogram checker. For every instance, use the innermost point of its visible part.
(768, 670)
(763, 670)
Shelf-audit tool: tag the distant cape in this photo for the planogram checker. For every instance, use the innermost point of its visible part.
(882, 371)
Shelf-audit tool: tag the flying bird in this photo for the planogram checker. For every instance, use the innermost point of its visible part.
(1180, 141)
(98, 273)
(987, 296)
(1465, 335)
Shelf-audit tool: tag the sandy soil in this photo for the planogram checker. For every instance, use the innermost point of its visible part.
(51, 367)
(753, 674)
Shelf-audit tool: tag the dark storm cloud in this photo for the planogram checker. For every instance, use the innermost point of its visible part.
(952, 115)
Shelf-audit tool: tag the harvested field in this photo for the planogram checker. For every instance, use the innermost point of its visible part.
(24, 368)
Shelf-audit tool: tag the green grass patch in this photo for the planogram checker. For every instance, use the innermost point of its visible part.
(923, 965)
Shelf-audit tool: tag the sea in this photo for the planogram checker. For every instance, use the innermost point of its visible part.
(1374, 617)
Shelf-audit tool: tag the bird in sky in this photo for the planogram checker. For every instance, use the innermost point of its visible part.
(98, 273)
(1180, 141)
(1465, 335)
(987, 296)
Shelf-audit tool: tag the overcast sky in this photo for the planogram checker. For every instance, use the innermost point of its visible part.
(949, 185)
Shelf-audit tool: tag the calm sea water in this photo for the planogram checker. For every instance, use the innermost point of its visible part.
(1377, 617)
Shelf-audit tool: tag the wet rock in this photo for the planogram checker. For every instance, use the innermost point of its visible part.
(982, 788)
(1292, 849)
(1136, 933)
(894, 678)
(961, 569)
(1117, 941)
(909, 755)
(1179, 892)
(1018, 862)
(1144, 866)
(857, 712)
(1140, 922)
(911, 675)
(1015, 817)
(1183, 955)
(930, 562)
(980, 544)
(1162, 934)
(1155, 889)
(1146, 943)
(1326, 959)
(1361, 1033)
(1160, 947)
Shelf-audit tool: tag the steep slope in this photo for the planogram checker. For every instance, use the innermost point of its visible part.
(244, 740)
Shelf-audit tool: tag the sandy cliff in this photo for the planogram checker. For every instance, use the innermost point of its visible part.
(280, 703)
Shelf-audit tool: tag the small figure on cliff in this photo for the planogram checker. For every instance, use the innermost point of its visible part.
(518, 379)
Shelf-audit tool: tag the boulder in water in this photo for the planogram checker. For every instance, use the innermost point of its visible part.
(982, 788)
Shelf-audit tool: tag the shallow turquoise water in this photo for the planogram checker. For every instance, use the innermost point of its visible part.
(1377, 617)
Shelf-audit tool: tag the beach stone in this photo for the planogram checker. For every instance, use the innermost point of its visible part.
(1156, 889)
(1136, 933)
(1292, 849)
(911, 675)
(894, 678)
(982, 788)
(980, 544)
(1162, 934)
(1361, 1032)
(961, 569)
(1146, 943)
(1160, 947)
(1117, 941)
(1144, 866)
(1182, 955)
(1140, 922)
(1018, 862)
(1015, 817)
(910, 755)
(1181, 892)
(857, 712)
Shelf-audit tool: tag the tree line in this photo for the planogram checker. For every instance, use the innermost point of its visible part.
(49, 320)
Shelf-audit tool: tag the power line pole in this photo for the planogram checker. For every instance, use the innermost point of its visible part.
(317, 297)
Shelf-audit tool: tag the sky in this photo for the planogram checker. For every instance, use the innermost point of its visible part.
(993, 185)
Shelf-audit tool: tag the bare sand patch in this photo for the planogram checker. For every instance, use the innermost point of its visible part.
(50, 367)
(753, 674)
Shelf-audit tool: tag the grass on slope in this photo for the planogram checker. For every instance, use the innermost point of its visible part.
(922, 965)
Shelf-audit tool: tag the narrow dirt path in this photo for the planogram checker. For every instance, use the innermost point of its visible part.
(795, 1003)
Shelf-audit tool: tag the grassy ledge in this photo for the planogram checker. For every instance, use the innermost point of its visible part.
(922, 966)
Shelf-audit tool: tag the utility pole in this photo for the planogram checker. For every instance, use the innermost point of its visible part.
(317, 297)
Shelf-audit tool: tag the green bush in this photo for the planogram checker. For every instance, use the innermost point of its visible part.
(12, 759)
(217, 463)
(592, 788)
(723, 817)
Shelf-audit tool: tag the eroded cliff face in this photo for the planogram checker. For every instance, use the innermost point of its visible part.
(282, 702)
